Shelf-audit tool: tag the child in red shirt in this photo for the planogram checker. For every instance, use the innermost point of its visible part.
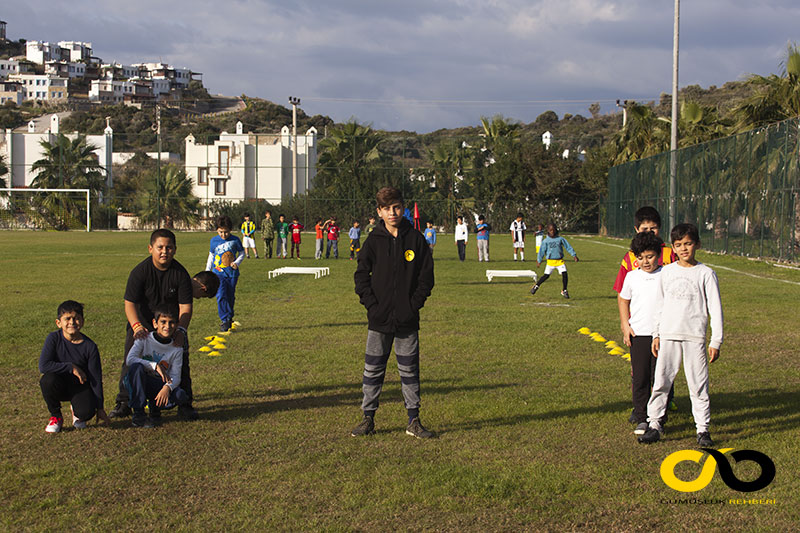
(295, 228)
(333, 238)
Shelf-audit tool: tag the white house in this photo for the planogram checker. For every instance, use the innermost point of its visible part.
(40, 52)
(11, 91)
(65, 69)
(22, 149)
(245, 166)
(41, 86)
(8, 66)
(75, 50)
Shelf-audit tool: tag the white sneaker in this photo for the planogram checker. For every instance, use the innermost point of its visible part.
(77, 423)
(54, 426)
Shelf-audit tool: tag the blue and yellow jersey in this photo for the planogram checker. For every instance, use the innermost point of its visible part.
(248, 228)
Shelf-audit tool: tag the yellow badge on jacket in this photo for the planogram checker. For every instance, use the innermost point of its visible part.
(409, 255)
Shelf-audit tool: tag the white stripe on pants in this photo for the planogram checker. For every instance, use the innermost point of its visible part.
(695, 367)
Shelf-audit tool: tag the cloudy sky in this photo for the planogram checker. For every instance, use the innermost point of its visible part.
(421, 65)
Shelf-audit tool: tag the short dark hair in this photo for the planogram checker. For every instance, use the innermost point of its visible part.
(685, 229)
(209, 280)
(646, 241)
(247, 215)
(162, 232)
(281, 215)
(387, 196)
(167, 310)
(646, 213)
(481, 217)
(555, 228)
(520, 215)
(69, 306)
(224, 221)
(267, 212)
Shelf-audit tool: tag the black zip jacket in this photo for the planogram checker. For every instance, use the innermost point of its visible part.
(394, 277)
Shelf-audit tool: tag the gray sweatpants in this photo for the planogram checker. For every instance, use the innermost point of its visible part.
(379, 346)
(483, 249)
(695, 366)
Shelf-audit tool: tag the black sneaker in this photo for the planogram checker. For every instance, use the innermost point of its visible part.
(565, 294)
(121, 410)
(225, 326)
(365, 427)
(416, 429)
(704, 440)
(650, 436)
(140, 420)
(187, 412)
(534, 289)
(641, 428)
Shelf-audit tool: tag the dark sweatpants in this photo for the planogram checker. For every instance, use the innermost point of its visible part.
(186, 380)
(61, 387)
(379, 346)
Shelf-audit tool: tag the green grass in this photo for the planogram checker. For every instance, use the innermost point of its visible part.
(531, 416)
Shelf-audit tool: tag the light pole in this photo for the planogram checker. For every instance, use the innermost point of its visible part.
(295, 102)
(673, 138)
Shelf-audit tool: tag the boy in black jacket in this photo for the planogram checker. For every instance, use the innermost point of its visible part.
(393, 279)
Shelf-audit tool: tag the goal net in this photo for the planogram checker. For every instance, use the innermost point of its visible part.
(45, 209)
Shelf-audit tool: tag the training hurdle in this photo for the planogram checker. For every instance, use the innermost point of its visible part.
(510, 274)
(317, 271)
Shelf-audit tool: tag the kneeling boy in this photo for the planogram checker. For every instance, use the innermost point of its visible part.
(154, 369)
(71, 371)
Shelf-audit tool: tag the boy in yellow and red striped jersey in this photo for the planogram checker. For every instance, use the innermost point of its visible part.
(645, 219)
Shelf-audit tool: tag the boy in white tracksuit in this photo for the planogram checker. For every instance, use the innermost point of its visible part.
(687, 296)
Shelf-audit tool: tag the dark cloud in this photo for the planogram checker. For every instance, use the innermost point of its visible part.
(427, 64)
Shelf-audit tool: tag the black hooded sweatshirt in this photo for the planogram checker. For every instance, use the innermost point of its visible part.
(394, 277)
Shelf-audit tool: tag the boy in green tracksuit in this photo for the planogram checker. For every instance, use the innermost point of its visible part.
(283, 235)
(268, 234)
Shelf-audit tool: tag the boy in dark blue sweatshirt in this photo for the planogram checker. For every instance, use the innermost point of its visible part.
(71, 371)
(393, 279)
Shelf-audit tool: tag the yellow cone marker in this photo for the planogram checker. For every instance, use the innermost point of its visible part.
(616, 351)
(237, 323)
(584, 331)
(214, 354)
(599, 338)
(224, 333)
(209, 338)
(611, 344)
(205, 349)
(627, 357)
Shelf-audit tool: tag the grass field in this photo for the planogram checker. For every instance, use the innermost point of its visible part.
(531, 415)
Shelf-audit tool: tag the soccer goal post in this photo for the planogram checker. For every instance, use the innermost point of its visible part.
(30, 208)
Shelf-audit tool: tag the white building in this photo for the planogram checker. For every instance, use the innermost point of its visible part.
(22, 149)
(40, 52)
(65, 69)
(42, 86)
(11, 91)
(75, 50)
(8, 66)
(245, 166)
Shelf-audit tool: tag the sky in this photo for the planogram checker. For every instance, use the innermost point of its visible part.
(422, 65)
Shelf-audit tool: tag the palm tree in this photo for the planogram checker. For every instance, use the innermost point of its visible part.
(349, 156)
(169, 199)
(777, 97)
(67, 164)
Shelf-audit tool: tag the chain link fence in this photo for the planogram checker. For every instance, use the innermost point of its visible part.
(740, 191)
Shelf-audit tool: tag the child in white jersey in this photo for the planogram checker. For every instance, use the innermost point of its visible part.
(687, 296)
(636, 312)
(154, 369)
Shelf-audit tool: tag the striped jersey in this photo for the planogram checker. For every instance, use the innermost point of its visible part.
(248, 228)
(629, 263)
(518, 230)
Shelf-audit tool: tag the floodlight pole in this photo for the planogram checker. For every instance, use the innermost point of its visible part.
(673, 140)
(295, 102)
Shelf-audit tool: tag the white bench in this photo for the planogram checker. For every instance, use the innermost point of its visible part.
(510, 274)
(317, 271)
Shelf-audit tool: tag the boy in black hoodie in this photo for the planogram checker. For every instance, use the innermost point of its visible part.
(393, 279)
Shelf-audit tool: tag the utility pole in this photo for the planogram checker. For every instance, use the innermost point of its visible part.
(295, 102)
(673, 140)
(157, 129)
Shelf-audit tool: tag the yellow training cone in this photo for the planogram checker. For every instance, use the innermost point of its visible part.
(234, 327)
(216, 344)
(237, 323)
(221, 347)
(209, 338)
(611, 344)
(205, 349)
(584, 331)
(224, 333)
(214, 354)
(627, 357)
(599, 338)
(616, 351)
